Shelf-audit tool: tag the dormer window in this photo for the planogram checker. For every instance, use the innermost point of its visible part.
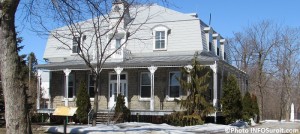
(160, 38)
(210, 46)
(118, 43)
(77, 41)
(75, 44)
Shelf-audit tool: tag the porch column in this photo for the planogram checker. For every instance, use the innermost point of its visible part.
(215, 88)
(188, 68)
(118, 70)
(67, 72)
(152, 70)
(215, 82)
(38, 103)
(49, 91)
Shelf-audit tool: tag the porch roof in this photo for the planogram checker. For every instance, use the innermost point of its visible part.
(135, 62)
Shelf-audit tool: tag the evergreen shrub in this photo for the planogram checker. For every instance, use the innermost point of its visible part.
(83, 103)
(121, 111)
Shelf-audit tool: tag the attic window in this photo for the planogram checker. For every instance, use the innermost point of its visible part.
(210, 46)
(77, 41)
(75, 44)
(160, 38)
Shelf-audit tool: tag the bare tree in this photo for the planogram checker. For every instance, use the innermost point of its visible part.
(287, 63)
(242, 51)
(99, 29)
(253, 48)
(16, 113)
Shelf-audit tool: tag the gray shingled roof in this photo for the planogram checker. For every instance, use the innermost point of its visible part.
(160, 61)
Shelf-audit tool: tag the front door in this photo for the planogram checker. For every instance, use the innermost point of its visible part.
(113, 89)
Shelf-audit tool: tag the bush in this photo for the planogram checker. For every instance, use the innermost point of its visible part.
(231, 101)
(122, 113)
(196, 101)
(183, 119)
(255, 108)
(247, 108)
(83, 103)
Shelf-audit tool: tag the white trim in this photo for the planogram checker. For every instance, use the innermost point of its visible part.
(209, 38)
(214, 68)
(216, 43)
(66, 86)
(157, 29)
(118, 70)
(140, 83)
(152, 70)
(39, 83)
(222, 48)
(168, 98)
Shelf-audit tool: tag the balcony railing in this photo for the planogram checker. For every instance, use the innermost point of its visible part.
(120, 55)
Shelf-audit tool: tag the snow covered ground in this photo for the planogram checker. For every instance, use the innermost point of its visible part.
(140, 128)
(149, 128)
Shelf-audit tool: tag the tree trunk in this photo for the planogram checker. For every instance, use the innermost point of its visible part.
(96, 99)
(260, 85)
(288, 106)
(13, 87)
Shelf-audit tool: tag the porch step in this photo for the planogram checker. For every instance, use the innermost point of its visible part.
(104, 117)
(107, 118)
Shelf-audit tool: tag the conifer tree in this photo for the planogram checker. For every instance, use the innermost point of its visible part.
(83, 103)
(196, 100)
(121, 109)
(255, 107)
(232, 100)
(247, 107)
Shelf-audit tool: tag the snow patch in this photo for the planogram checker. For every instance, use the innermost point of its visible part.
(138, 127)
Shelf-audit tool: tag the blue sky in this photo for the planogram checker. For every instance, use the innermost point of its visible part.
(227, 16)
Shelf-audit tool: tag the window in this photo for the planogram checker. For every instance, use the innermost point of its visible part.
(218, 51)
(225, 56)
(174, 85)
(71, 86)
(210, 46)
(118, 43)
(145, 82)
(160, 37)
(115, 76)
(160, 40)
(122, 76)
(76, 43)
(91, 88)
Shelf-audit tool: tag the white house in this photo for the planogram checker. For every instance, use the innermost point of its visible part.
(145, 70)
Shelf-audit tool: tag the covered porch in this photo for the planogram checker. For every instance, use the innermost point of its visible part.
(146, 83)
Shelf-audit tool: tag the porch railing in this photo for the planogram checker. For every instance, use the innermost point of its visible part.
(109, 114)
(90, 116)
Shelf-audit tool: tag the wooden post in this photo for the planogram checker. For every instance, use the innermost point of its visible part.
(65, 125)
